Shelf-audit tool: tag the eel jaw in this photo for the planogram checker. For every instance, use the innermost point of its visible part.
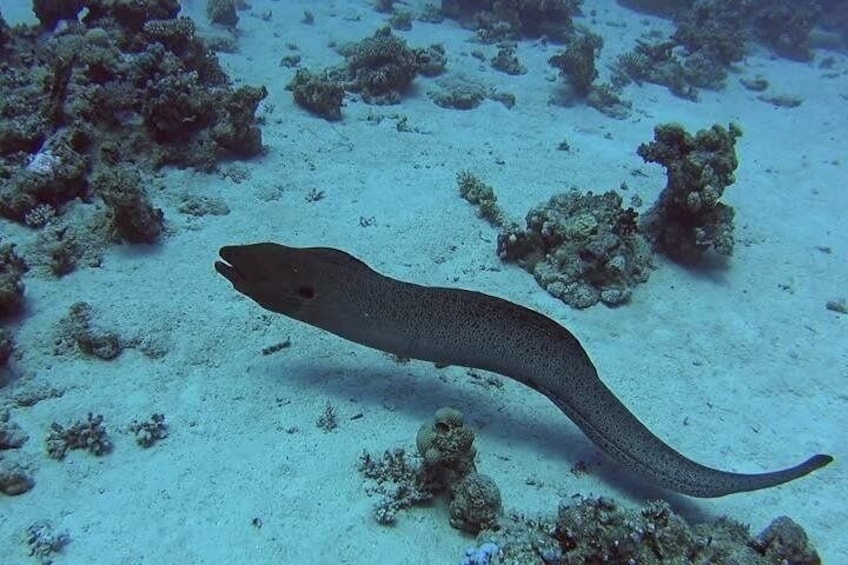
(227, 269)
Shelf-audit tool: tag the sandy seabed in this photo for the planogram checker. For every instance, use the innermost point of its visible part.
(741, 368)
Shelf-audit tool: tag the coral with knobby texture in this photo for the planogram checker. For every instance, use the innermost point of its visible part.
(656, 63)
(317, 93)
(12, 435)
(134, 219)
(710, 37)
(784, 541)
(447, 465)
(604, 98)
(688, 218)
(129, 14)
(177, 108)
(581, 248)
(709, 27)
(222, 12)
(785, 25)
(576, 63)
(713, 37)
(4, 32)
(497, 20)
(53, 176)
(235, 131)
(51, 12)
(381, 67)
(7, 347)
(458, 92)
(599, 530)
(177, 35)
(447, 446)
(507, 61)
(714, 34)
(12, 269)
(599, 527)
(431, 60)
(475, 503)
(482, 195)
(131, 81)
(15, 479)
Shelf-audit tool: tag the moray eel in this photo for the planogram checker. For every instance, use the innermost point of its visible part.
(336, 292)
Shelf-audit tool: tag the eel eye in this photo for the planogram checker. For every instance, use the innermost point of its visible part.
(306, 292)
